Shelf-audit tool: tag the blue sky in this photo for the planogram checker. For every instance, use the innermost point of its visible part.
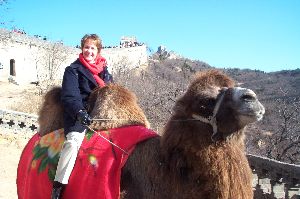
(255, 34)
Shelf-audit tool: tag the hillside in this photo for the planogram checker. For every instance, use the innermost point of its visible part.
(269, 86)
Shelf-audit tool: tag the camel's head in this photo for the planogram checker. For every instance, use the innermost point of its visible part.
(114, 106)
(212, 99)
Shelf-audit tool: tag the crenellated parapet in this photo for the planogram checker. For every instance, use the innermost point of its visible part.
(271, 179)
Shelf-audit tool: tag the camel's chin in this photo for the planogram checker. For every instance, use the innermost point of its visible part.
(250, 118)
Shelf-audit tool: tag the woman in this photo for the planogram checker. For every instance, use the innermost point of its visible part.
(80, 78)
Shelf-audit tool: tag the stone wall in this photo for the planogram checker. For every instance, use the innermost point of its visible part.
(274, 179)
(31, 57)
(271, 179)
(132, 57)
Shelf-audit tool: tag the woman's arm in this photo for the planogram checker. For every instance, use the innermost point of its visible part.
(71, 97)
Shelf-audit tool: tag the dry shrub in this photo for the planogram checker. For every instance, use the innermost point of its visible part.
(31, 99)
(28, 103)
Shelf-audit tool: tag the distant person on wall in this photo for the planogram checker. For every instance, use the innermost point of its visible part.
(80, 78)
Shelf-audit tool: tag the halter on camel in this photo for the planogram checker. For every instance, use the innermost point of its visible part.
(212, 120)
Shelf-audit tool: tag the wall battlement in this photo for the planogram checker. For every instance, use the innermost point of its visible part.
(271, 179)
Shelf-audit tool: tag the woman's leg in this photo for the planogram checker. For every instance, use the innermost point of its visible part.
(68, 156)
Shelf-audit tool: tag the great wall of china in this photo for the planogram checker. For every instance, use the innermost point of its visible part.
(26, 58)
(271, 179)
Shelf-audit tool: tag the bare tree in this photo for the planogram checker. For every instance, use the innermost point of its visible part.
(156, 87)
(121, 70)
(4, 36)
(55, 57)
(49, 63)
(282, 141)
(288, 132)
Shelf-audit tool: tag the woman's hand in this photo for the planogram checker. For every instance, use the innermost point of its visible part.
(83, 117)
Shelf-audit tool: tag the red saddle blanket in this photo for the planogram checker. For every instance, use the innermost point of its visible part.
(97, 170)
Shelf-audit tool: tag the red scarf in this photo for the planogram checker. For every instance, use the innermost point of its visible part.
(95, 68)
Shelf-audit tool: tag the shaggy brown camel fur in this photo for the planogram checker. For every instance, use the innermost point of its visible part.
(50, 115)
(117, 106)
(111, 103)
(201, 152)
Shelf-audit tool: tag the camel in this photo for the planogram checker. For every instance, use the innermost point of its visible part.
(201, 152)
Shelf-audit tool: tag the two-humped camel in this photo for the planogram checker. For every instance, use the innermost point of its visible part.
(201, 154)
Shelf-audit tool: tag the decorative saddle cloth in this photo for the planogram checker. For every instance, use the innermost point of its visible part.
(97, 170)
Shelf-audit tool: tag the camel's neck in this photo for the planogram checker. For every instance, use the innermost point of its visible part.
(224, 164)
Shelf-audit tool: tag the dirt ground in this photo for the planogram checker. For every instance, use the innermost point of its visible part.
(11, 145)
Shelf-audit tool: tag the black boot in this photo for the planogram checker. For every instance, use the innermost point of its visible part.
(57, 190)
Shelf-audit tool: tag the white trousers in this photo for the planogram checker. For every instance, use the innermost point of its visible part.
(68, 156)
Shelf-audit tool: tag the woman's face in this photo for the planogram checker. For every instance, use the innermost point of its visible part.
(89, 51)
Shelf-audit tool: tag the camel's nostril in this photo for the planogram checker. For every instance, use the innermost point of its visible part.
(262, 112)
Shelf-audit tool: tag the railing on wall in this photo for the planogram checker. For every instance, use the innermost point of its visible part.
(274, 179)
(18, 122)
(271, 179)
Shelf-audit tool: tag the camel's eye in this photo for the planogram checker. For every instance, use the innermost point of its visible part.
(207, 105)
(202, 107)
(211, 102)
(248, 97)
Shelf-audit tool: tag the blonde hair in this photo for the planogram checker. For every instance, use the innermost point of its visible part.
(95, 38)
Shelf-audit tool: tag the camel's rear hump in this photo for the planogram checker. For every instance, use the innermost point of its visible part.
(51, 112)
